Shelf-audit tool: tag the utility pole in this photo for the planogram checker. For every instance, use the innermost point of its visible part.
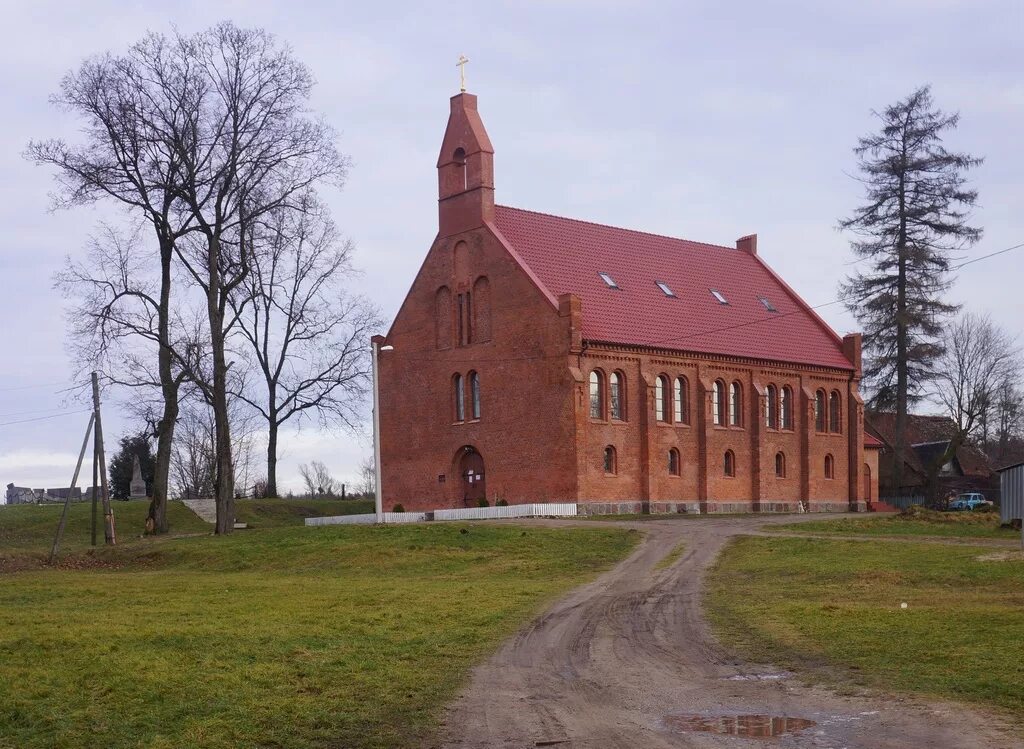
(108, 512)
(95, 479)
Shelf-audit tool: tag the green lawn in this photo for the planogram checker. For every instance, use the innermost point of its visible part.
(918, 522)
(266, 513)
(833, 607)
(277, 637)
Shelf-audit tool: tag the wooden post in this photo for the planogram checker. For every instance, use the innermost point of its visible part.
(108, 512)
(71, 491)
(95, 482)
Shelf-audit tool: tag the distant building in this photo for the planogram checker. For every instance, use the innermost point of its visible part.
(19, 495)
(1011, 485)
(927, 438)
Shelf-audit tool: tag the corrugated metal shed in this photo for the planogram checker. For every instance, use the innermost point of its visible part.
(1011, 485)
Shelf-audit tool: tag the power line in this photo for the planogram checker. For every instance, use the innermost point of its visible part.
(43, 418)
(813, 307)
(33, 387)
(33, 411)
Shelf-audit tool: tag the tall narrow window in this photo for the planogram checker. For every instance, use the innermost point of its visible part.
(834, 412)
(830, 467)
(771, 407)
(780, 465)
(609, 460)
(681, 401)
(460, 398)
(735, 405)
(819, 411)
(718, 403)
(459, 157)
(660, 393)
(474, 391)
(617, 396)
(786, 407)
(596, 394)
(730, 463)
(673, 462)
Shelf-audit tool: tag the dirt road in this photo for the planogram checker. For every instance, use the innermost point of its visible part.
(628, 661)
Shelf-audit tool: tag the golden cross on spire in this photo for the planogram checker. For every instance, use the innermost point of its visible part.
(461, 65)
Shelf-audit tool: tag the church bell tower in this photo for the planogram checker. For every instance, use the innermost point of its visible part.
(465, 170)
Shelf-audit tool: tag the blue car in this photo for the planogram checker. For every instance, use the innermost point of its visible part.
(969, 501)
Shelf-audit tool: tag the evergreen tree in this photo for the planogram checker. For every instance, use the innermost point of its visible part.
(915, 217)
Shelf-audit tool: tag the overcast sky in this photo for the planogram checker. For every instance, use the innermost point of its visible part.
(701, 120)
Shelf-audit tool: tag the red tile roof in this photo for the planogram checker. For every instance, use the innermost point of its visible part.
(871, 440)
(565, 256)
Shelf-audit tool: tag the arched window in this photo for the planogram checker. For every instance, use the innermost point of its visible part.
(460, 398)
(610, 462)
(474, 391)
(771, 407)
(819, 411)
(617, 391)
(459, 157)
(597, 394)
(735, 405)
(481, 309)
(718, 403)
(660, 393)
(835, 410)
(681, 401)
(730, 463)
(780, 465)
(443, 318)
(673, 462)
(830, 467)
(786, 407)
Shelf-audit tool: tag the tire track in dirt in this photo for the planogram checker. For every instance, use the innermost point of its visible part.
(613, 661)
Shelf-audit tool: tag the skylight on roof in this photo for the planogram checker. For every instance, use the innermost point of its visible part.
(664, 287)
(767, 304)
(718, 295)
(608, 280)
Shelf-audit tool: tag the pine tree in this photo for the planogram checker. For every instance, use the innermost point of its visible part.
(914, 219)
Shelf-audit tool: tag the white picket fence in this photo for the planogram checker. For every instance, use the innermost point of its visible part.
(550, 509)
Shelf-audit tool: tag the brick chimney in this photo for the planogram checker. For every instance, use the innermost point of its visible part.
(465, 170)
(747, 244)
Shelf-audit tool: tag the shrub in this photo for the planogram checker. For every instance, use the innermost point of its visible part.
(483, 502)
(501, 503)
(398, 508)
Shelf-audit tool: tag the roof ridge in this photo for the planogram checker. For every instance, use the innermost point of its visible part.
(619, 228)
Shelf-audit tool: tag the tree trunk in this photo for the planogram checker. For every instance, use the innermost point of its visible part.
(157, 520)
(272, 455)
(225, 490)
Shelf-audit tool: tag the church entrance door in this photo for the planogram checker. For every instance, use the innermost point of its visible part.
(471, 469)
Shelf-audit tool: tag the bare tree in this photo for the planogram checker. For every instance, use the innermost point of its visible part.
(915, 215)
(130, 114)
(202, 135)
(318, 479)
(194, 457)
(305, 335)
(978, 357)
(367, 476)
(250, 148)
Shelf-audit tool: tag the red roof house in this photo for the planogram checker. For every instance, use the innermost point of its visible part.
(538, 358)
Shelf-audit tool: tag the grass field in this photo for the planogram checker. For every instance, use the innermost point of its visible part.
(917, 522)
(272, 637)
(833, 607)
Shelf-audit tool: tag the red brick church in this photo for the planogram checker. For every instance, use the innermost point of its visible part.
(545, 359)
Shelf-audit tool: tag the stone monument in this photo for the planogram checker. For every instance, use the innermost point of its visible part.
(137, 489)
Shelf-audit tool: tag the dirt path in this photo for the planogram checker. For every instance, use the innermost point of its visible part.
(619, 661)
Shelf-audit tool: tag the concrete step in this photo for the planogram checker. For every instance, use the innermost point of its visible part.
(206, 509)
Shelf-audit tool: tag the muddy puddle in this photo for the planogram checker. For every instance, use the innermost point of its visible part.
(746, 726)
